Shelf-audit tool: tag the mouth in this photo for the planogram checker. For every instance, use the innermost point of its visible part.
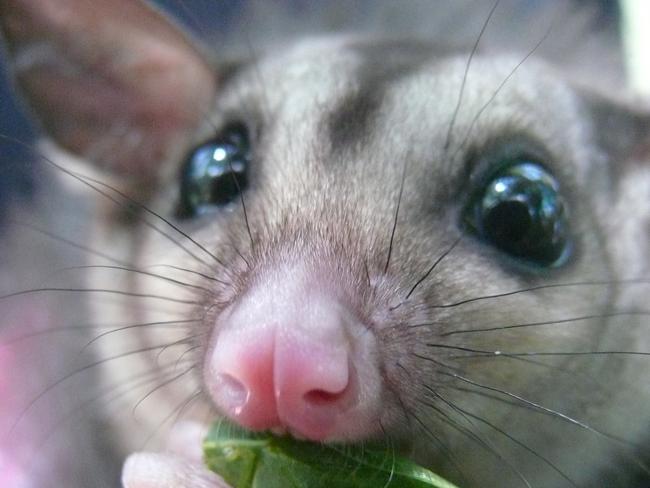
(269, 460)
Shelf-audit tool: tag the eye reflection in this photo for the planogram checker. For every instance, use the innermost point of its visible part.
(215, 172)
(521, 211)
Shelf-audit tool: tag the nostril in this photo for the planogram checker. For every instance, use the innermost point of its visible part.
(233, 393)
(322, 397)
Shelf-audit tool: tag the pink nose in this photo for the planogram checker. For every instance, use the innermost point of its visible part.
(285, 362)
(276, 380)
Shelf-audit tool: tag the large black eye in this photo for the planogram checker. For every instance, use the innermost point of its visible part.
(215, 172)
(519, 210)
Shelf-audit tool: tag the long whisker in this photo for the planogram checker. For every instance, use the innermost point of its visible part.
(444, 449)
(243, 206)
(508, 354)
(164, 324)
(87, 327)
(88, 182)
(392, 233)
(176, 411)
(470, 129)
(184, 340)
(189, 350)
(433, 266)
(156, 215)
(141, 272)
(509, 437)
(437, 362)
(541, 408)
(461, 92)
(549, 322)
(98, 290)
(160, 386)
(542, 287)
(191, 271)
(70, 243)
(485, 444)
(73, 374)
(126, 386)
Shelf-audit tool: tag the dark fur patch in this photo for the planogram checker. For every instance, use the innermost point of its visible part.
(621, 131)
(351, 122)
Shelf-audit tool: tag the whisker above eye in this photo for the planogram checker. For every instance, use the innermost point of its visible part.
(470, 129)
(468, 64)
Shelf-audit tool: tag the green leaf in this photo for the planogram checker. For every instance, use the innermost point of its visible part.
(253, 460)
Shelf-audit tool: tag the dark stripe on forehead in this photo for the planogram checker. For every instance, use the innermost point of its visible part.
(383, 64)
(351, 120)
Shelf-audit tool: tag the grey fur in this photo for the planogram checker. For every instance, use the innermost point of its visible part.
(336, 120)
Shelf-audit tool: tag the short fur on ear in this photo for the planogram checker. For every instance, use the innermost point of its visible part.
(621, 131)
(114, 82)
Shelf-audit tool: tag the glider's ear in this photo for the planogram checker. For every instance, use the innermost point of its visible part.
(622, 131)
(113, 82)
(622, 135)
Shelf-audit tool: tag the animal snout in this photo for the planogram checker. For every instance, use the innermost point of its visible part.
(290, 356)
